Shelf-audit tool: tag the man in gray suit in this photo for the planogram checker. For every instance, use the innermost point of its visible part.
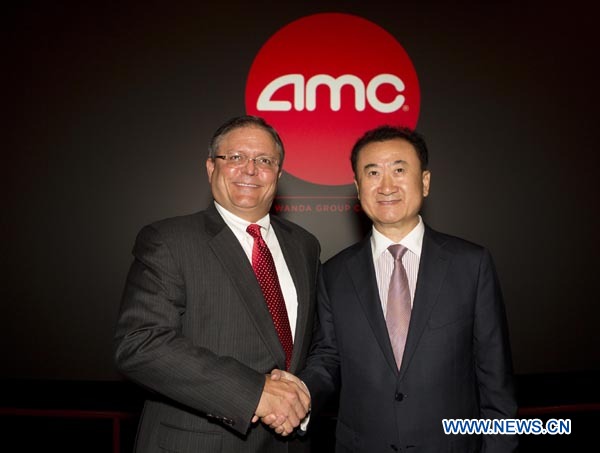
(194, 326)
(412, 328)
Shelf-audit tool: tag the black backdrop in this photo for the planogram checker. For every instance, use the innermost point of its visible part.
(109, 107)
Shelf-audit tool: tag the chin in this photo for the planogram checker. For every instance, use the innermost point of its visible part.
(245, 201)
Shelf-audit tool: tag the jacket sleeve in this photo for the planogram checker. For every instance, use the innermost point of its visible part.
(151, 350)
(322, 372)
(493, 362)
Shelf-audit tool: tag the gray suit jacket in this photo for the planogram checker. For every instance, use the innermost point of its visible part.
(195, 330)
(456, 363)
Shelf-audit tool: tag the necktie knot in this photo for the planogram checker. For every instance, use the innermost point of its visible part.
(254, 231)
(397, 251)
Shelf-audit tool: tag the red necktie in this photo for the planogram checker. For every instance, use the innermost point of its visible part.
(398, 304)
(266, 274)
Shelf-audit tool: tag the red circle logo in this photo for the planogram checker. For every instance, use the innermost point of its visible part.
(322, 81)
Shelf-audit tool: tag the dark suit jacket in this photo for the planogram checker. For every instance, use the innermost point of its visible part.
(194, 328)
(456, 364)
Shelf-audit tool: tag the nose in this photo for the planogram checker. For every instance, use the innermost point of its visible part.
(387, 186)
(250, 166)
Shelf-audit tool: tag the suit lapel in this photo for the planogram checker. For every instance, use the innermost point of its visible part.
(432, 271)
(228, 250)
(362, 273)
(296, 263)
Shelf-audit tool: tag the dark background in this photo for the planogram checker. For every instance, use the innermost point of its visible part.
(109, 108)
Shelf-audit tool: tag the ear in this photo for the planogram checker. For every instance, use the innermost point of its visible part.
(210, 167)
(426, 181)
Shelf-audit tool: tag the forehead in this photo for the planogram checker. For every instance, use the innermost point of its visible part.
(385, 152)
(247, 137)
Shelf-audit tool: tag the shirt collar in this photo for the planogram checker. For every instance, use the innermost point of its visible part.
(238, 224)
(413, 241)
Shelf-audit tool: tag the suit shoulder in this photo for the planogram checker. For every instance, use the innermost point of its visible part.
(178, 225)
(178, 234)
(340, 258)
(455, 244)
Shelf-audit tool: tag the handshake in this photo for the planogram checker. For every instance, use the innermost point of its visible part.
(284, 403)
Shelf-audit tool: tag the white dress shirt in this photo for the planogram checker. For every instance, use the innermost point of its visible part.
(238, 226)
(384, 262)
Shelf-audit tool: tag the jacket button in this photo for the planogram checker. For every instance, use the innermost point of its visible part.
(399, 396)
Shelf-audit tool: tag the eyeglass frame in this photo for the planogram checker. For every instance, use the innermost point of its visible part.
(245, 159)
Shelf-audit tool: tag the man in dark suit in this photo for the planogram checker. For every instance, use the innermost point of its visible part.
(196, 327)
(410, 339)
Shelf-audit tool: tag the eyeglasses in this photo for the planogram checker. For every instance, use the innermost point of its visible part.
(240, 160)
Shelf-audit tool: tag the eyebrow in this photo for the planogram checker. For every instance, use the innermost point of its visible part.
(396, 162)
(260, 154)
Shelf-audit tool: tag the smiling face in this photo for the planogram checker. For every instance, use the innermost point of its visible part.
(391, 186)
(247, 191)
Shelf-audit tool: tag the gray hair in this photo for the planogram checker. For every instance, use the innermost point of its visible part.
(244, 121)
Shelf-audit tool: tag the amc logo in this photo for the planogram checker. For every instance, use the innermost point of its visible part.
(306, 94)
(322, 81)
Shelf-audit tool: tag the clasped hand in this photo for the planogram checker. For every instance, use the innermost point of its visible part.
(284, 402)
